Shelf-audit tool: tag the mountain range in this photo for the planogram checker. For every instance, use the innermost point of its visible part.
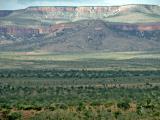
(89, 28)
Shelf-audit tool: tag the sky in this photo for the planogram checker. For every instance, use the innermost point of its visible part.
(20, 4)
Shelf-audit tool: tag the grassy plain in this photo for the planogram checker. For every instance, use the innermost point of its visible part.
(80, 86)
(78, 61)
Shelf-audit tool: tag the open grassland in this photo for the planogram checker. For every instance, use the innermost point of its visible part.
(78, 61)
(80, 86)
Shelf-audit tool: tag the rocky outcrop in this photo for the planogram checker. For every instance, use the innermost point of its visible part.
(59, 27)
(149, 27)
(18, 31)
(51, 9)
(75, 12)
(40, 30)
(95, 11)
(138, 27)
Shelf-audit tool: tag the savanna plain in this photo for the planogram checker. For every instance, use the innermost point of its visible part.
(80, 86)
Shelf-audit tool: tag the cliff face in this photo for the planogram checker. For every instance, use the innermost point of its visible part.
(51, 9)
(59, 27)
(99, 12)
(72, 13)
(40, 30)
(137, 27)
(18, 31)
(79, 10)
(97, 9)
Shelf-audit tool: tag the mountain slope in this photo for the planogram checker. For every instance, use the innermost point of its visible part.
(86, 35)
(116, 28)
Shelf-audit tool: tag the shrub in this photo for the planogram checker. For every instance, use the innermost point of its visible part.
(4, 113)
(62, 106)
(116, 114)
(15, 116)
(81, 106)
(6, 106)
(123, 105)
(52, 107)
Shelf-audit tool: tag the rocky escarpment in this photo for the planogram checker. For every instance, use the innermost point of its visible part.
(53, 15)
(18, 31)
(100, 12)
(39, 30)
(85, 35)
(97, 11)
(117, 28)
(39, 20)
(78, 11)
(137, 27)
(59, 27)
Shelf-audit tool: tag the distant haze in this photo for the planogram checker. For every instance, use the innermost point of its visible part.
(19, 4)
